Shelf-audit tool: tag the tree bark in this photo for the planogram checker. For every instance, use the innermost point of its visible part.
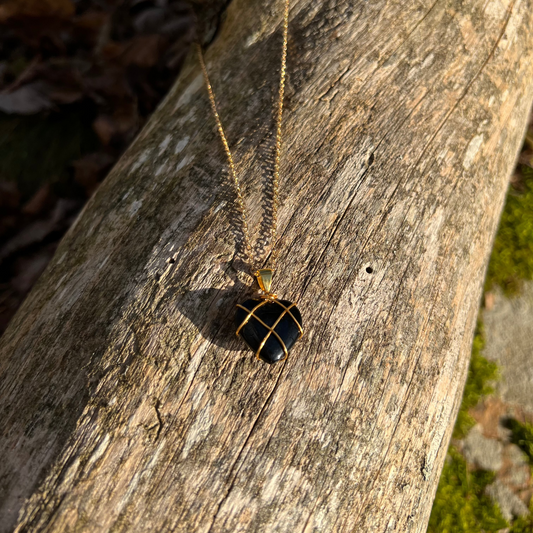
(129, 404)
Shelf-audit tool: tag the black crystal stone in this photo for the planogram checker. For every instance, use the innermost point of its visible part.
(279, 321)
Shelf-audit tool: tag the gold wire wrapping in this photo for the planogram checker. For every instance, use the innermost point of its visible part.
(286, 311)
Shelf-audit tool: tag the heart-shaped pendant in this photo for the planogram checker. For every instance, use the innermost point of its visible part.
(269, 327)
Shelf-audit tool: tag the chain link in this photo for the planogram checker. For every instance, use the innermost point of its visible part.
(239, 200)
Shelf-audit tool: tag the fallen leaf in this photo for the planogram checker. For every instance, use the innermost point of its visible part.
(144, 51)
(105, 128)
(26, 100)
(39, 202)
(29, 268)
(150, 20)
(59, 220)
(121, 125)
(9, 195)
(91, 169)
(35, 8)
(108, 63)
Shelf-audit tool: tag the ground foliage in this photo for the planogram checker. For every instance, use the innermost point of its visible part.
(481, 376)
(461, 505)
(522, 436)
(523, 524)
(78, 79)
(512, 256)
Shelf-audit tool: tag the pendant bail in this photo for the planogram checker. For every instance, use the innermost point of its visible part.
(264, 279)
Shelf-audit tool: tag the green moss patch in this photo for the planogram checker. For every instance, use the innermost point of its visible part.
(522, 436)
(481, 375)
(524, 524)
(511, 261)
(461, 505)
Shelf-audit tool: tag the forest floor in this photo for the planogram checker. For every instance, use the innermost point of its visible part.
(78, 80)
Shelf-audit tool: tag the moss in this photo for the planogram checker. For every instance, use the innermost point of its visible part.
(461, 505)
(524, 524)
(481, 374)
(511, 261)
(522, 436)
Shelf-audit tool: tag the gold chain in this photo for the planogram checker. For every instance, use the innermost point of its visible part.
(239, 200)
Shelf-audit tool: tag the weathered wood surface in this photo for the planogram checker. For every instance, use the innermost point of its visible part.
(127, 402)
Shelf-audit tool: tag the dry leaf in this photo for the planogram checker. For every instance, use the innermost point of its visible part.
(39, 202)
(144, 51)
(35, 8)
(105, 129)
(9, 195)
(91, 169)
(28, 269)
(26, 100)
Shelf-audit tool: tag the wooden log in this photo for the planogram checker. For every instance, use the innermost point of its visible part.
(127, 402)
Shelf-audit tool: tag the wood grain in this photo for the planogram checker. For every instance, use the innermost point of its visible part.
(129, 405)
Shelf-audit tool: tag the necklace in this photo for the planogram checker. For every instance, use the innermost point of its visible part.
(269, 326)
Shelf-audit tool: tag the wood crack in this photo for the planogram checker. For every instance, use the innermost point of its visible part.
(459, 100)
(238, 458)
